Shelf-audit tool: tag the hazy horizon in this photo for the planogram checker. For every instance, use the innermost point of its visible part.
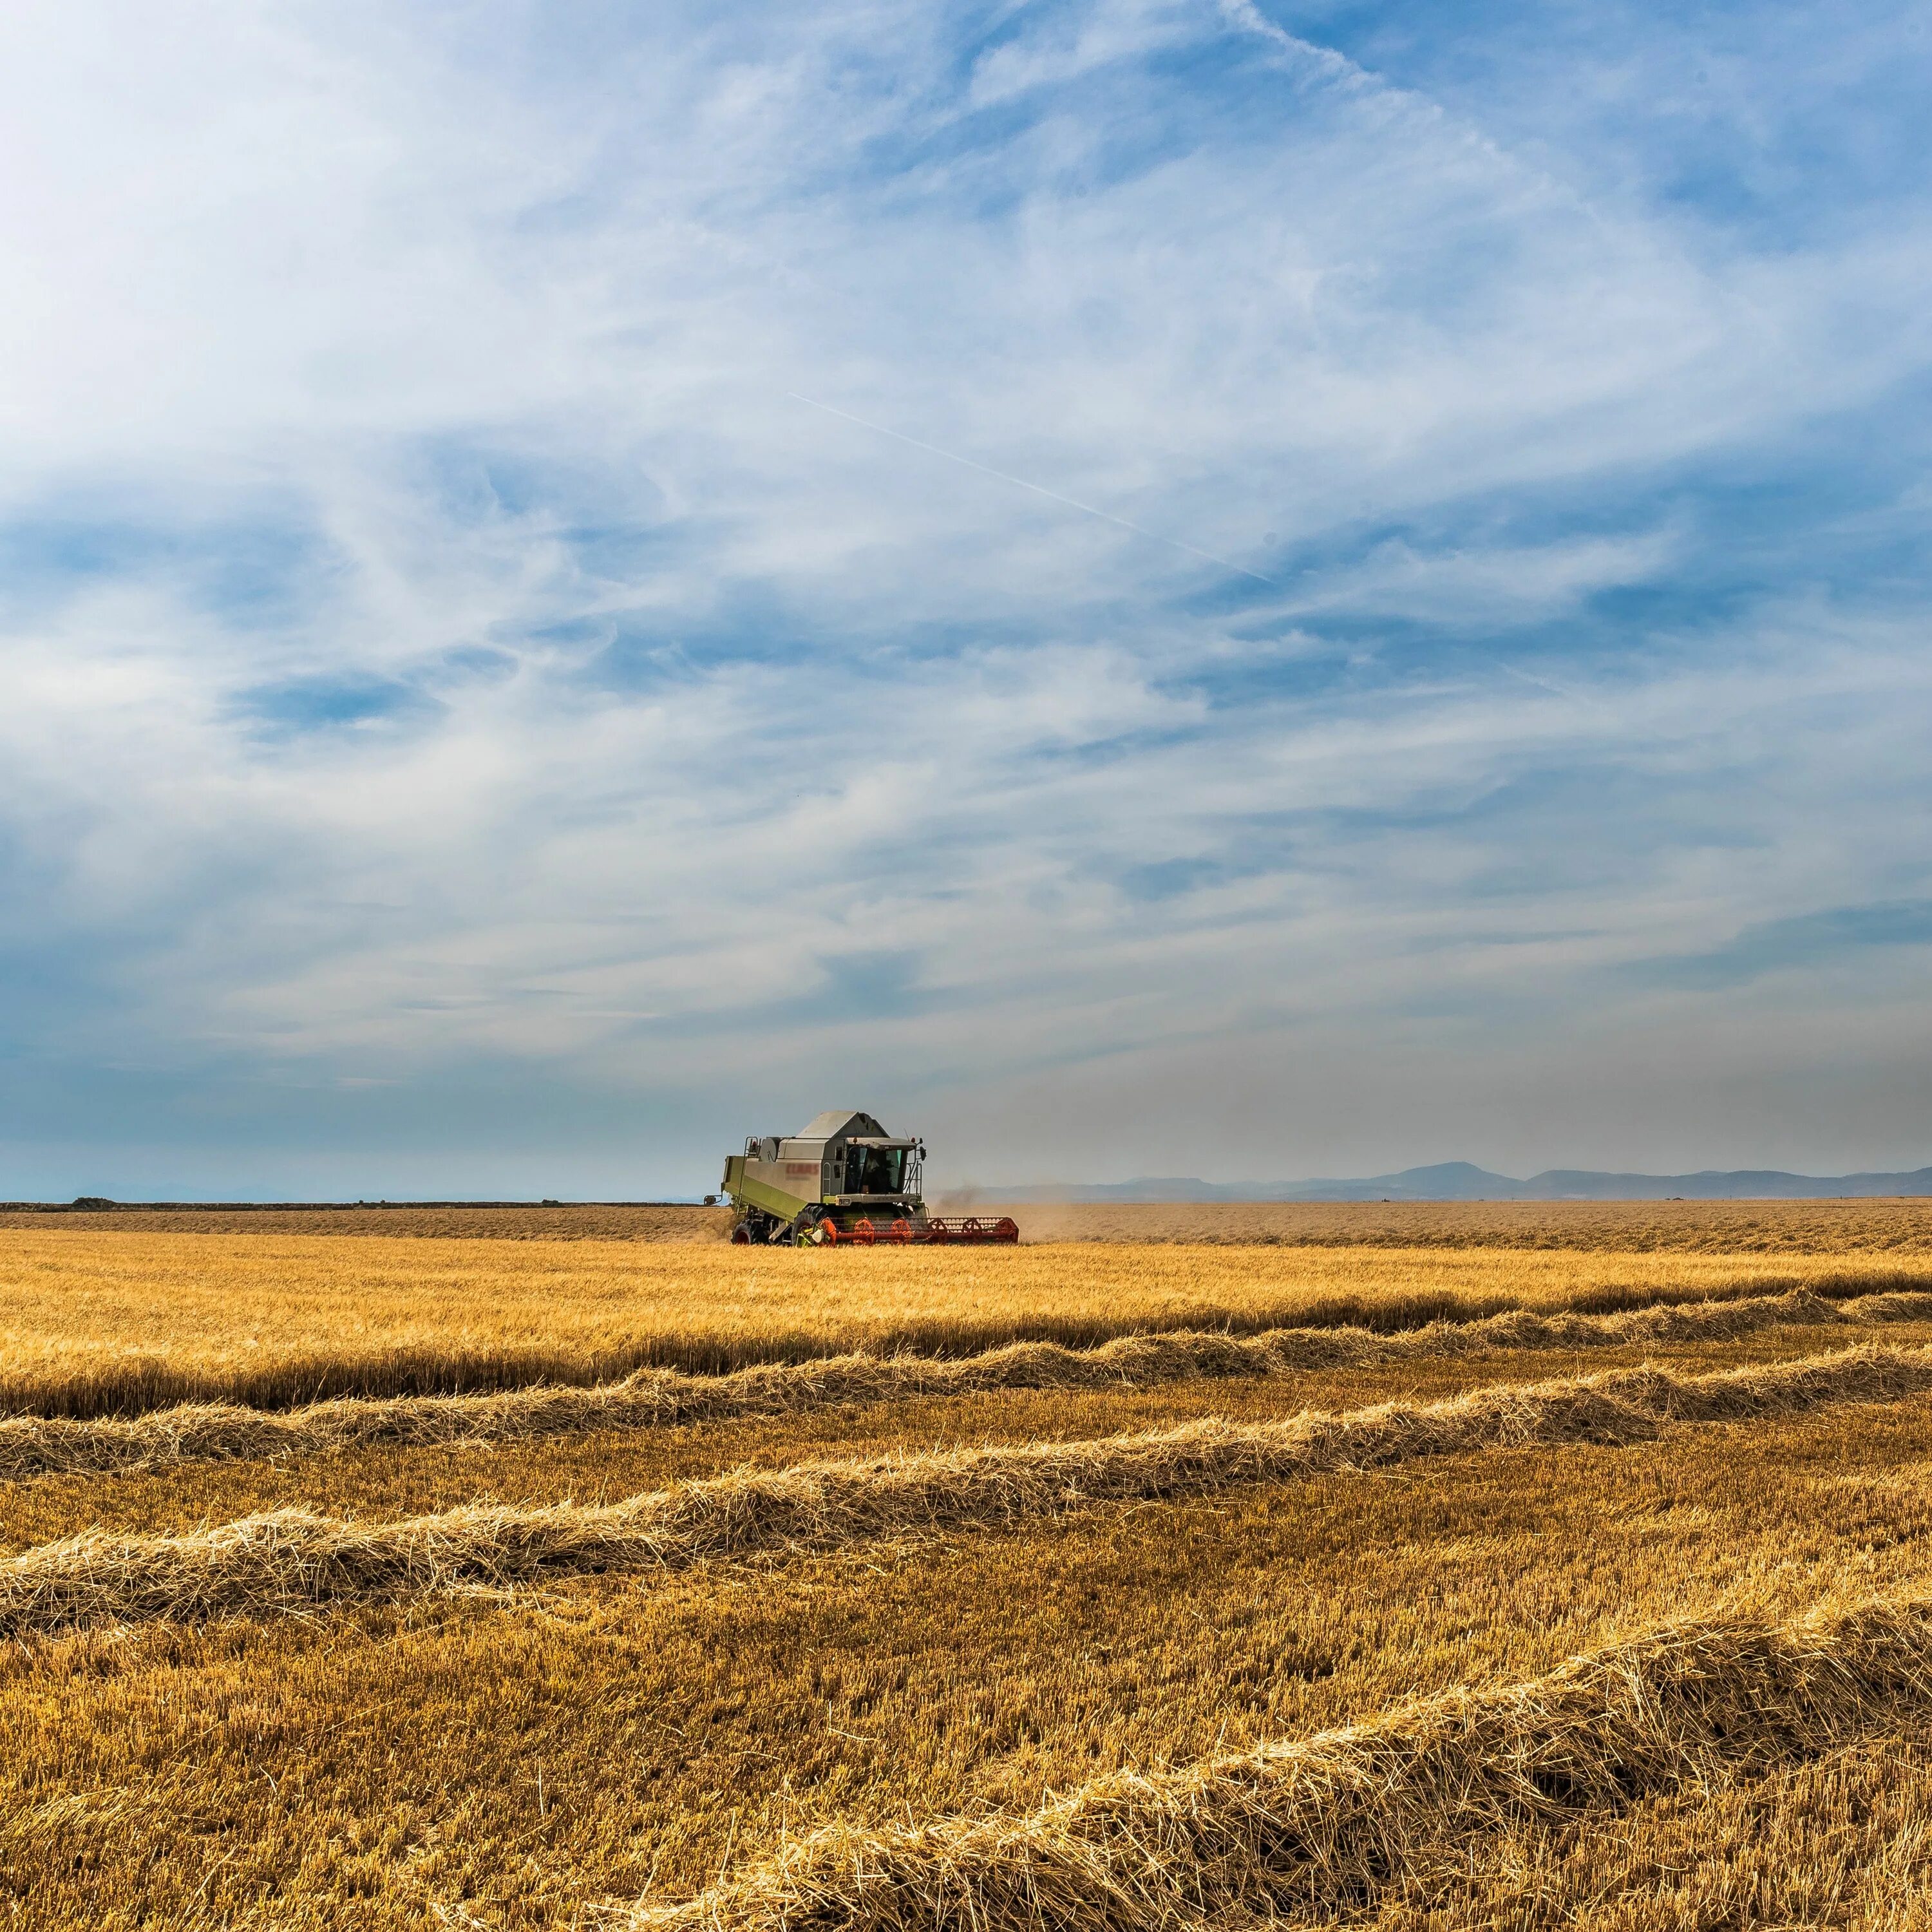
(1044, 1189)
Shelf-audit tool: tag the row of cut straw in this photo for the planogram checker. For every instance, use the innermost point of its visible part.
(1323, 1827)
(31, 1446)
(290, 1559)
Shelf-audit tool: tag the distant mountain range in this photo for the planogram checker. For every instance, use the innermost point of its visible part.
(1458, 1180)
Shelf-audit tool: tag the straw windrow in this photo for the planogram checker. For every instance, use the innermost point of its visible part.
(32, 1446)
(1327, 1826)
(82, 1370)
(288, 1560)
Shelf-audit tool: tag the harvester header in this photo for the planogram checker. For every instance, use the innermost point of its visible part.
(844, 1179)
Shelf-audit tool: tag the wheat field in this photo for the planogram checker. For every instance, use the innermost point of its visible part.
(363, 1578)
(1862, 1227)
(94, 1321)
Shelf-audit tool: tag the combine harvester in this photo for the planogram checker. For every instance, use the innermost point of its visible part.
(844, 1180)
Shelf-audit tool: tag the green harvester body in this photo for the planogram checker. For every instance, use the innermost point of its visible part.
(844, 1179)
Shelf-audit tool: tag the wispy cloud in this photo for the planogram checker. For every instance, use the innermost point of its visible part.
(1471, 545)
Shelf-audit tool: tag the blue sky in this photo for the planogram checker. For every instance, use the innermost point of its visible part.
(547, 619)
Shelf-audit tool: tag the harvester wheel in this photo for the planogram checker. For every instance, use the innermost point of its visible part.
(901, 1232)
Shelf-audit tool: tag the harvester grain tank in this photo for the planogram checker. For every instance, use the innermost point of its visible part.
(844, 1179)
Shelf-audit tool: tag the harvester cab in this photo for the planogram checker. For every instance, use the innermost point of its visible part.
(844, 1180)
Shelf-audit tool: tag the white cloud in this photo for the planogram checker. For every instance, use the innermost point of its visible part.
(606, 705)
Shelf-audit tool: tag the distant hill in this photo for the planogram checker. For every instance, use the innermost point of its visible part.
(1459, 1180)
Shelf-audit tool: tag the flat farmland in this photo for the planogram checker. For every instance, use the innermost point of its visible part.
(1695, 1227)
(369, 1579)
(1631, 1227)
(98, 1320)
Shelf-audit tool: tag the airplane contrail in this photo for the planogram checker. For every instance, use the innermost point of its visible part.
(1038, 489)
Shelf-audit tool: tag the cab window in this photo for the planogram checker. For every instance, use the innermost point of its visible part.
(874, 1170)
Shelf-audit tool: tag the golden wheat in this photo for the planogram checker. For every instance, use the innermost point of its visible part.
(1814, 1227)
(1807, 1227)
(523, 1221)
(1843, 1839)
(523, 1757)
(97, 1325)
(32, 1446)
(292, 1559)
(1319, 1827)
(381, 1766)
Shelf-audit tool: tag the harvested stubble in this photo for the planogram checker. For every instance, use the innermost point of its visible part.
(1321, 1827)
(291, 1559)
(1843, 1839)
(31, 1446)
(114, 1324)
(1814, 1227)
(379, 1768)
(473, 1221)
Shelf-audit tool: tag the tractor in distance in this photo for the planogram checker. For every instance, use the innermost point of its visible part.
(844, 1180)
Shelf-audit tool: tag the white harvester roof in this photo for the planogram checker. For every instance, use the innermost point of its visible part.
(842, 1123)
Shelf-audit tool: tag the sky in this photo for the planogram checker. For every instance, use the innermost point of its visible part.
(1250, 590)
